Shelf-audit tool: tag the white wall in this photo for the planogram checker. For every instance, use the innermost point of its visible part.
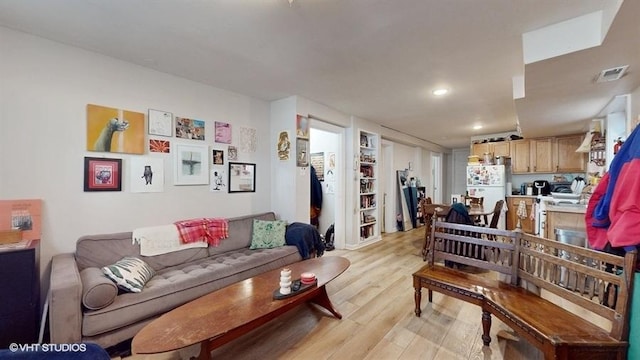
(44, 89)
(286, 180)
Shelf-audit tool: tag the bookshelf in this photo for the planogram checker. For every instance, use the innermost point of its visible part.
(369, 228)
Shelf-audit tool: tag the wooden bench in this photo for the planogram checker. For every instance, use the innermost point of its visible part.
(532, 284)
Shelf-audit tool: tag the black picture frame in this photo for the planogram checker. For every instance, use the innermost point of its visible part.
(242, 177)
(102, 174)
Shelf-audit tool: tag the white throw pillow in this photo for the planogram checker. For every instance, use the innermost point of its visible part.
(129, 273)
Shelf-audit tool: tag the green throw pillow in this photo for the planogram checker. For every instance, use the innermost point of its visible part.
(130, 273)
(268, 234)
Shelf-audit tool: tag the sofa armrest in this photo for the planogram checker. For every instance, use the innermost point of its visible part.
(65, 306)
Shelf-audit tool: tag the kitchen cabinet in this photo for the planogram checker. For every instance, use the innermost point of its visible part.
(520, 156)
(547, 155)
(566, 158)
(562, 219)
(527, 224)
(501, 148)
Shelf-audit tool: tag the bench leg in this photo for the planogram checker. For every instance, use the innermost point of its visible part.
(486, 327)
(418, 299)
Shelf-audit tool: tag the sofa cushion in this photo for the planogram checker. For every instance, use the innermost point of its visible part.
(239, 233)
(129, 273)
(98, 290)
(268, 234)
(180, 284)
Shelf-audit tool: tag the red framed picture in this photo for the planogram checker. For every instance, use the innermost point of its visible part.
(102, 174)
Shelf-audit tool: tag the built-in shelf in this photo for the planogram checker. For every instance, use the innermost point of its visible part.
(368, 186)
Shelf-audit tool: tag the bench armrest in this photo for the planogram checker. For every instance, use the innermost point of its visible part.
(65, 307)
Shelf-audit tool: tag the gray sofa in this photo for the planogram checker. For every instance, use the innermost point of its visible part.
(180, 277)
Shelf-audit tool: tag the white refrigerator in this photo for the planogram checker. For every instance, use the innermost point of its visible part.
(488, 182)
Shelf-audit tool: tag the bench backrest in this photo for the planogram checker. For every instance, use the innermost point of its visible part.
(598, 282)
(482, 247)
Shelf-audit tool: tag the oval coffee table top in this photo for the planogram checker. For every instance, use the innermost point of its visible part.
(226, 309)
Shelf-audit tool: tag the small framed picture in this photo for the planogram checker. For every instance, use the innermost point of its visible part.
(191, 164)
(218, 157)
(160, 123)
(242, 177)
(102, 174)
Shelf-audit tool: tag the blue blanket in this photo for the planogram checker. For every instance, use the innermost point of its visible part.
(306, 238)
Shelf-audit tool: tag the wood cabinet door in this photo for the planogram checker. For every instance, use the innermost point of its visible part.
(526, 224)
(520, 154)
(480, 149)
(501, 149)
(542, 155)
(567, 159)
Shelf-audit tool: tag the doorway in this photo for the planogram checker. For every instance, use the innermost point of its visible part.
(436, 173)
(326, 145)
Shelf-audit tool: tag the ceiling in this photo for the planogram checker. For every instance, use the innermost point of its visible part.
(377, 60)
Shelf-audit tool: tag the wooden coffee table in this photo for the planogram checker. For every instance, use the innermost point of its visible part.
(226, 314)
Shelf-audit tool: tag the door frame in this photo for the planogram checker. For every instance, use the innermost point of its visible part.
(340, 184)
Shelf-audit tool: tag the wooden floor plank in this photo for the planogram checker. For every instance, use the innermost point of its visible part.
(376, 298)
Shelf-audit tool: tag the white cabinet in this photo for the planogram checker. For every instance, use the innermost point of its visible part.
(368, 197)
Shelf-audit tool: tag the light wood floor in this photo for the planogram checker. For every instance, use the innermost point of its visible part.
(375, 297)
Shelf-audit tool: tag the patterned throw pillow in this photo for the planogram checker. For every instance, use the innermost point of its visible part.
(268, 234)
(130, 273)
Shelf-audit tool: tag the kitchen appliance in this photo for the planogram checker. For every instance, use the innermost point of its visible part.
(561, 187)
(488, 182)
(541, 187)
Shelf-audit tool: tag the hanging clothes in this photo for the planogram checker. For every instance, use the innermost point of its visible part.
(615, 208)
(316, 198)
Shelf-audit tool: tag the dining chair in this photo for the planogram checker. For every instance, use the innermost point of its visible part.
(476, 200)
(430, 210)
(496, 214)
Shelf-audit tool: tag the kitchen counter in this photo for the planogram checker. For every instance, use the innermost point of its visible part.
(522, 196)
(568, 208)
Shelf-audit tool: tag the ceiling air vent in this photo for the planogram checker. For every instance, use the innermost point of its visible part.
(612, 74)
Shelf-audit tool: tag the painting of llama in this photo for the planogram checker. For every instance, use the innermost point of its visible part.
(115, 130)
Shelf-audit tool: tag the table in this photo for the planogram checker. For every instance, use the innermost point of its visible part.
(228, 313)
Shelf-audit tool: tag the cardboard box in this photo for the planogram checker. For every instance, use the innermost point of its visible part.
(10, 236)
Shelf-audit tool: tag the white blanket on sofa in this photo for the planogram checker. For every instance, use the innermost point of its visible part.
(163, 239)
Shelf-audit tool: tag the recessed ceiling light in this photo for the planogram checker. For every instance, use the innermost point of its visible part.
(477, 127)
(440, 92)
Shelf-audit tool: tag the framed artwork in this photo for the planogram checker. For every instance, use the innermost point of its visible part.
(302, 152)
(189, 128)
(102, 174)
(223, 132)
(248, 139)
(160, 146)
(191, 164)
(218, 157)
(115, 130)
(302, 127)
(242, 177)
(218, 181)
(233, 153)
(284, 145)
(160, 123)
(317, 160)
(146, 174)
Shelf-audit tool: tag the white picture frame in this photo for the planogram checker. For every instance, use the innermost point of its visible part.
(160, 123)
(146, 174)
(191, 164)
